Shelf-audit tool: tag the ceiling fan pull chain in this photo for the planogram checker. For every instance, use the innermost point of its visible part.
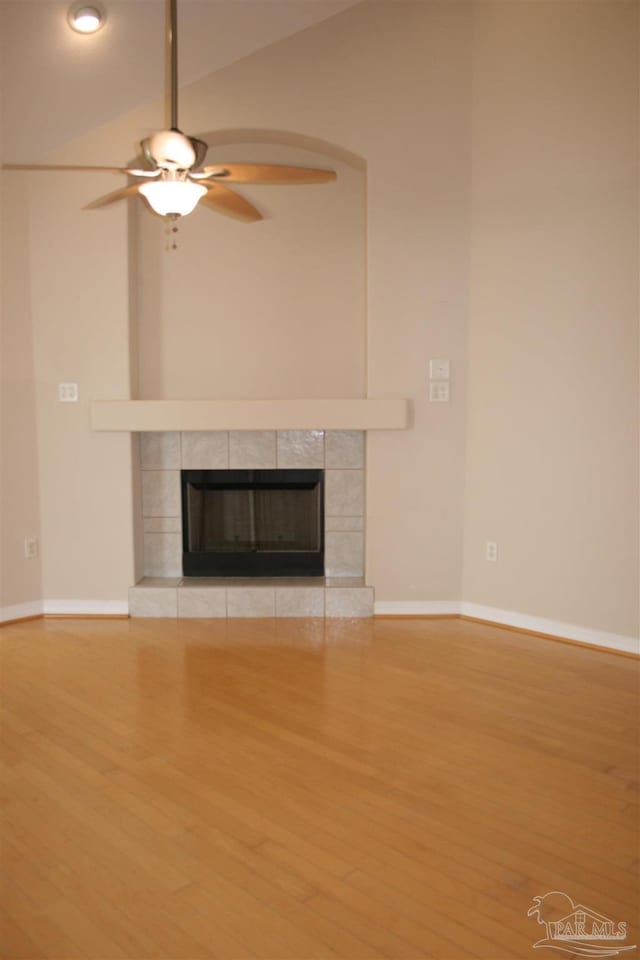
(171, 230)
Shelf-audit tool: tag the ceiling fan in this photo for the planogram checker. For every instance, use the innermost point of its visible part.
(171, 176)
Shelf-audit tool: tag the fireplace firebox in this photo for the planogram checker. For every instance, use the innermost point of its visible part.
(253, 523)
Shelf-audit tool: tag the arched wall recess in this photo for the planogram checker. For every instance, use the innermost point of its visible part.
(271, 309)
(220, 139)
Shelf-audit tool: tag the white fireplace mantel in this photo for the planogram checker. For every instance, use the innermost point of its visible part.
(372, 413)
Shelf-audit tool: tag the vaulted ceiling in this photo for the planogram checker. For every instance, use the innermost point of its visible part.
(56, 85)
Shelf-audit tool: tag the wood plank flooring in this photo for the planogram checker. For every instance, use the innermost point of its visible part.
(284, 790)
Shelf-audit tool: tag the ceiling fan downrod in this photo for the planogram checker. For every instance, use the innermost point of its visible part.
(172, 42)
(171, 149)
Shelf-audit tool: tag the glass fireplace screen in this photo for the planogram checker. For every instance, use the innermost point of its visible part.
(253, 522)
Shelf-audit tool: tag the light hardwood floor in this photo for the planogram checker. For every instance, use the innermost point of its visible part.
(302, 789)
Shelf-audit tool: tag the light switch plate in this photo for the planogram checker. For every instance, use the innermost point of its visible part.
(68, 392)
(439, 391)
(439, 370)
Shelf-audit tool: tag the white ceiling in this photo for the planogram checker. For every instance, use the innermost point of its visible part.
(56, 85)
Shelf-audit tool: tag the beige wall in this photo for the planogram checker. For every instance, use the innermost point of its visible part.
(500, 149)
(270, 309)
(552, 468)
(79, 302)
(20, 579)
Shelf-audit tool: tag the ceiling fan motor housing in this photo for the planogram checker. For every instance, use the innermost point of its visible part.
(169, 150)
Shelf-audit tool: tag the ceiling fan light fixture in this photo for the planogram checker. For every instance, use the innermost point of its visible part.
(173, 197)
(172, 164)
(86, 18)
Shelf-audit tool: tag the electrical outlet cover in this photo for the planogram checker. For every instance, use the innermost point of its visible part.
(491, 550)
(30, 548)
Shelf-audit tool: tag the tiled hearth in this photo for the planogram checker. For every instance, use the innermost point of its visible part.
(163, 591)
(317, 597)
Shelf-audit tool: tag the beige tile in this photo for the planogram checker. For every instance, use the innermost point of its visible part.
(205, 450)
(251, 602)
(300, 448)
(202, 601)
(162, 555)
(335, 524)
(344, 449)
(204, 582)
(344, 493)
(349, 602)
(160, 451)
(252, 449)
(344, 554)
(159, 582)
(163, 525)
(153, 602)
(161, 493)
(345, 582)
(299, 601)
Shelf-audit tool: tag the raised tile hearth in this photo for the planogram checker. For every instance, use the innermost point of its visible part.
(234, 597)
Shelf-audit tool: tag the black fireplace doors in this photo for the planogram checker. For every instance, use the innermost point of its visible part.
(253, 523)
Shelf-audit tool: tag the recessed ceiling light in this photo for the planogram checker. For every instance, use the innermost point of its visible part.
(86, 18)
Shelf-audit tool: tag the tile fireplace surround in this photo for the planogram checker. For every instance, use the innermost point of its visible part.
(163, 592)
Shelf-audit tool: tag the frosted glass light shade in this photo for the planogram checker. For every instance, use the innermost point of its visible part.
(177, 197)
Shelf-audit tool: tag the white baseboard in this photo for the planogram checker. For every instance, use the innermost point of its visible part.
(508, 618)
(555, 628)
(90, 608)
(20, 611)
(416, 608)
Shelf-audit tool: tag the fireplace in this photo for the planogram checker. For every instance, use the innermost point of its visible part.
(163, 455)
(253, 523)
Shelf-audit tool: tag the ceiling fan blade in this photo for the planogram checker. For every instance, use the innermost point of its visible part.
(200, 148)
(266, 173)
(226, 201)
(123, 194)
(57, 166)
(138, 172)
